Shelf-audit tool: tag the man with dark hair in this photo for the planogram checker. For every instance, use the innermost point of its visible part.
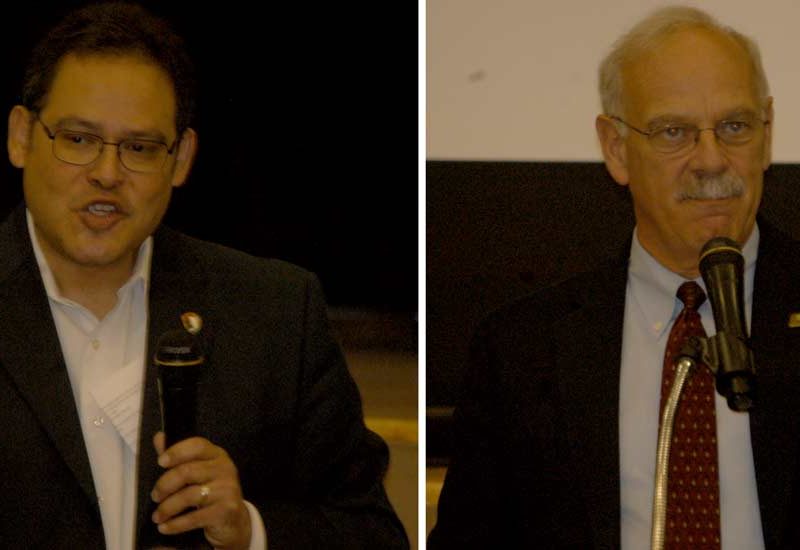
(556, 433)
(88, 282)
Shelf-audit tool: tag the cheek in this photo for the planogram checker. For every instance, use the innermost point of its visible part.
(42, 186)
(155, 201)
(754, 169)
(751, 171)
(656, 183)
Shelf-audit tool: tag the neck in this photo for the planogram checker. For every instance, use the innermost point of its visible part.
(688, 273)
(687, 267)
(93, 287)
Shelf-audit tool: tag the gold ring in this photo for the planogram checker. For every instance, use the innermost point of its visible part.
(204, 492)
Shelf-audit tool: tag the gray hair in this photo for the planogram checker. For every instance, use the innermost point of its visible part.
(649, 33)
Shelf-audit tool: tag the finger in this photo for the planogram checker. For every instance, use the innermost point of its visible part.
(190, 498)
(159, 441)
(224, 523)
(185, 475)
(193, 518)
(194, 448)
(221, 499)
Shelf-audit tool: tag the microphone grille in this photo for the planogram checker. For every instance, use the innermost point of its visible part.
(720, 250)
(178, 348)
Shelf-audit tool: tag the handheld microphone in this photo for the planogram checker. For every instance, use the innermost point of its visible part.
(179, 358)
(722, 267)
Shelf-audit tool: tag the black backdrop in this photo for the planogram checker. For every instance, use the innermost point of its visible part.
(308, 135)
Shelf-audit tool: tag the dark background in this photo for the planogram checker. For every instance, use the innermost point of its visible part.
(308, 136)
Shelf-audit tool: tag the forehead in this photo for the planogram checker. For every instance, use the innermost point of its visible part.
(694, 73)
(117, 92)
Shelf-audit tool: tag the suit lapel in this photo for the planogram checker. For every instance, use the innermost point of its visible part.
(774, 421)
(590, 388)
(31, 352)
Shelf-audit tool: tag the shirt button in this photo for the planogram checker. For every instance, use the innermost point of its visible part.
(658, 325)
(99, 421)
(95, 343)
(101, 500)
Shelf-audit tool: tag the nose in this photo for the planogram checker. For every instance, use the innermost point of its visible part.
(107, 171)
(708, 155)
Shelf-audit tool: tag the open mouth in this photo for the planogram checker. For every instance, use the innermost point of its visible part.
(102, 209)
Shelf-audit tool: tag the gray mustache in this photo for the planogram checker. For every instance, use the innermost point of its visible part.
(713, 187)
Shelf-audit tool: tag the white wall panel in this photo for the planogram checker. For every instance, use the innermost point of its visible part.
(517, 80)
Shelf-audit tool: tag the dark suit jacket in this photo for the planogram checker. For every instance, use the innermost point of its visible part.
(536, 458)
(275, 393)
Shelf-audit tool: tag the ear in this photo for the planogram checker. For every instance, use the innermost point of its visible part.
(769, 116)
(614, 149)
(19, 135)
(184, 157)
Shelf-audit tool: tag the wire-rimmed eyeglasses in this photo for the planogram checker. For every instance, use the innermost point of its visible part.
(82, 148)
(672, 138)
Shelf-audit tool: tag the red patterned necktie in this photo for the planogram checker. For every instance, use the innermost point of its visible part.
(693, 488)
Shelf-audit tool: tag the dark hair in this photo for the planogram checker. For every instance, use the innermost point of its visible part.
(112, 28)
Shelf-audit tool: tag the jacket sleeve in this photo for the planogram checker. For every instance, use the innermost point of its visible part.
(472, 511)
(338, 499)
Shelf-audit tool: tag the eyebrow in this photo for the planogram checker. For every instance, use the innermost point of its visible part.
(741, 113)
(82, 124)
(667, 120)
(672, 120)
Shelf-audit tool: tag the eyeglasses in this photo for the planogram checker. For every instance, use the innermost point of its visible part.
(81, 148)
(677, 137)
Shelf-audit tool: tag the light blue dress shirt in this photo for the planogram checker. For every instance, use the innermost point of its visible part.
(650, 309)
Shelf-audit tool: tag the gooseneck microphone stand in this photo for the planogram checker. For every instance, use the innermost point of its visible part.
(686, 363)
(727, 354)
(698, 352)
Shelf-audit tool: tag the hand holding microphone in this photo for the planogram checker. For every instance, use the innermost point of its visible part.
(200, 488)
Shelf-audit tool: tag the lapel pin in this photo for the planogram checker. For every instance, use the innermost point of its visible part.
(192, 322)
(794, 319)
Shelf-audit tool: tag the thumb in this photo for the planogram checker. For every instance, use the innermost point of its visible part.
(159, 442)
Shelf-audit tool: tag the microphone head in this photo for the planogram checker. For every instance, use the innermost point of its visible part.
(179, 358)
(178, 348)
(178, 354)
(722, 266)
(720, 250)
(718, 243)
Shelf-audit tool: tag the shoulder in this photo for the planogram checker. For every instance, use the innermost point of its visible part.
(15, 245)
(777, 247)
(218, 263)
(554, 304)
(232, 282)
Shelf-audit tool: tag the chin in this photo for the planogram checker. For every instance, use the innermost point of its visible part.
(96, 258)
(720, 228)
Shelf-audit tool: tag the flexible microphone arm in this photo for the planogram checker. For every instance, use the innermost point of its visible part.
(686, 363)
(727, 354)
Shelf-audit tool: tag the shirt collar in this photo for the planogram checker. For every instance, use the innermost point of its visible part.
(141, 269)
(653, 286)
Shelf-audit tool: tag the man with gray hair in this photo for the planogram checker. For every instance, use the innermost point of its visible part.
(556, 433)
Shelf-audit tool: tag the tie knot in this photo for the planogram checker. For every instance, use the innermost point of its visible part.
(691, 295)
